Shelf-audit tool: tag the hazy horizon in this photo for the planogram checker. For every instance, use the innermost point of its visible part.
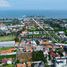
(49, 8)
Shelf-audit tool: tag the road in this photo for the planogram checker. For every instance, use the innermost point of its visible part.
(44, 30)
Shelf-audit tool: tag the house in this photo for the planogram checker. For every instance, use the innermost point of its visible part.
(45, 42)
(60, 44)
(36, 32)
(60, 62)
(9, 61)
(66, 26)
(38, 64)
(33, 43)
(21, 65)
(4, 60)
(32, 64)
(38, 48)
(61, 32)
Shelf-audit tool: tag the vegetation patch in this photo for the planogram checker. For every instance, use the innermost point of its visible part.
(7, 56)
(7, 38)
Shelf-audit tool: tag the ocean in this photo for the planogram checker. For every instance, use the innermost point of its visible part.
(21, 13)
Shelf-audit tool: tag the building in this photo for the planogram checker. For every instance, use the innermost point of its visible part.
(60, 62)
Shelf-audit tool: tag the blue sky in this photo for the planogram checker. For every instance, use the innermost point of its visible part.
(33, 4)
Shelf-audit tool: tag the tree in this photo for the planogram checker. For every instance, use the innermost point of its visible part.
(37, 42)
(16, 39)
(38, 56)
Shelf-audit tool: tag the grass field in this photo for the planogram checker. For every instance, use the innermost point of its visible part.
(4, 48)
(7, 38)
(10, 65)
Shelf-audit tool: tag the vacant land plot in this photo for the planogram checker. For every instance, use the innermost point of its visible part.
(7, 38)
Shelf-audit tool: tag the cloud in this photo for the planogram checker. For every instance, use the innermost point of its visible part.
(4, 3)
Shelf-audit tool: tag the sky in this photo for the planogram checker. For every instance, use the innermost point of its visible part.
(33, 4)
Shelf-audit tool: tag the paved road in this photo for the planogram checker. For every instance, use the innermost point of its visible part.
(44, 30)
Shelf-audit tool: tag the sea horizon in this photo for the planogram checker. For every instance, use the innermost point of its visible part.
(46, 13)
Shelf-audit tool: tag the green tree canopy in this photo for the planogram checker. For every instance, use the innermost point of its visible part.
(38, 56)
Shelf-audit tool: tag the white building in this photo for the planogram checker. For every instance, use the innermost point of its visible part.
(60, 62)
(38, 48)
(61, 32)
